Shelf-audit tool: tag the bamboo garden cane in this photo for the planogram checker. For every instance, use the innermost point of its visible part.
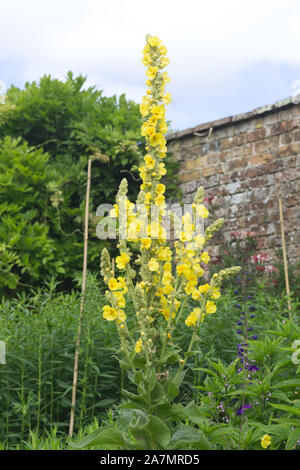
(85, 246)
(287, 285)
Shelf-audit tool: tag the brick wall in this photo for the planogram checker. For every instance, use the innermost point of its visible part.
(246, 161)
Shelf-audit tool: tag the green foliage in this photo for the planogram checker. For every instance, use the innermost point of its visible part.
(43, 186)
(36, 381)
(27, 251)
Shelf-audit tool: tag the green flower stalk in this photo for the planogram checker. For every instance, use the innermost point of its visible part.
(162, 279)
(162, 283)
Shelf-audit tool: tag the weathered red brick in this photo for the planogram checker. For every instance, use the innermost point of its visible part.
(261, 158)
(289, 149)
(256, 135)
(283, 126)
(267, 145)
(237, 163)
(246, 164)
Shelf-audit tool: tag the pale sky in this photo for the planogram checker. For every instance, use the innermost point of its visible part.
(226, 56)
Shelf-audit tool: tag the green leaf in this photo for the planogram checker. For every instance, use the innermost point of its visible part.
(288, 409)
(194, 413)
(175, 412)
(287, 384)
(150, 432)
(104, 437)
(293, 439)
(187, 437)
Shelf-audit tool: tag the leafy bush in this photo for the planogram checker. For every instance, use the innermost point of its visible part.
(62, 125)
(36, 381)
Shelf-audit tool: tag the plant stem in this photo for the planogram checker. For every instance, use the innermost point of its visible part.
(85, 247)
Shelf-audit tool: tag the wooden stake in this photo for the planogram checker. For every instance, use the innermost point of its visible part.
(287, 284)
(84, 272)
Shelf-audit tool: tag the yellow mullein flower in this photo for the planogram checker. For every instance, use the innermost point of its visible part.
(150, 162)
(114, 212)
(120, 299)
(204, 288)
(163, 50)
(167, 289)
(146, 243)
(154, 41)
(210, 307)
(190, 253)
(164, 253)
(121, 317)
(164, 61)
(163, 128)
(166, 78)
(215, 293)
(190, 287)
(199, 241)
(201, 211)
(146, 49)
(151, 72)
(185, 236)
(167, 278)
(147, 198)
(166, 312)
(157, 139)
(143, 172)
(266, 441)
(196, 294)
(122, 260)
(160, 200)
(167, 267)
(109, 313)
(193, 317)
(205, 257)
(153, 230)
(160, 188)
(183, 269)
(148, 130)
(167, 98)
(153, 265)
(134, 229)
(138, 346)
(113, 284)
(161, 169)
(144, 106)
(197, 268)
(158, 111)
(122, 284)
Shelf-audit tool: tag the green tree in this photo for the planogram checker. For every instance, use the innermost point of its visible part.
(69, 124)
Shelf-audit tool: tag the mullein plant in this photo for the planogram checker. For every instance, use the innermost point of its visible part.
(160, 282)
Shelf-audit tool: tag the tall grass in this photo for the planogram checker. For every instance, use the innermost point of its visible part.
(36, 382)
(40, 335)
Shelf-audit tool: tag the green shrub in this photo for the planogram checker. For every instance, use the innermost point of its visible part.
(36, 381)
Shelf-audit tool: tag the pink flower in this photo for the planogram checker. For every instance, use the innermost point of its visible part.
(260, 268)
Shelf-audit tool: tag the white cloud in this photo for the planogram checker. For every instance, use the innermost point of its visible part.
(210, 43)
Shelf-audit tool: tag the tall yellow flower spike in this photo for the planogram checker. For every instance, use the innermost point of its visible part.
(166, 278)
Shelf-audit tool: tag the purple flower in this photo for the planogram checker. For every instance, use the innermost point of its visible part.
(238, 306)
(239, 322)
(254, 337)
(250, 329)
(236, 291)
(241, 410)
(252, 308)
(240, 332)
(252, 315)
